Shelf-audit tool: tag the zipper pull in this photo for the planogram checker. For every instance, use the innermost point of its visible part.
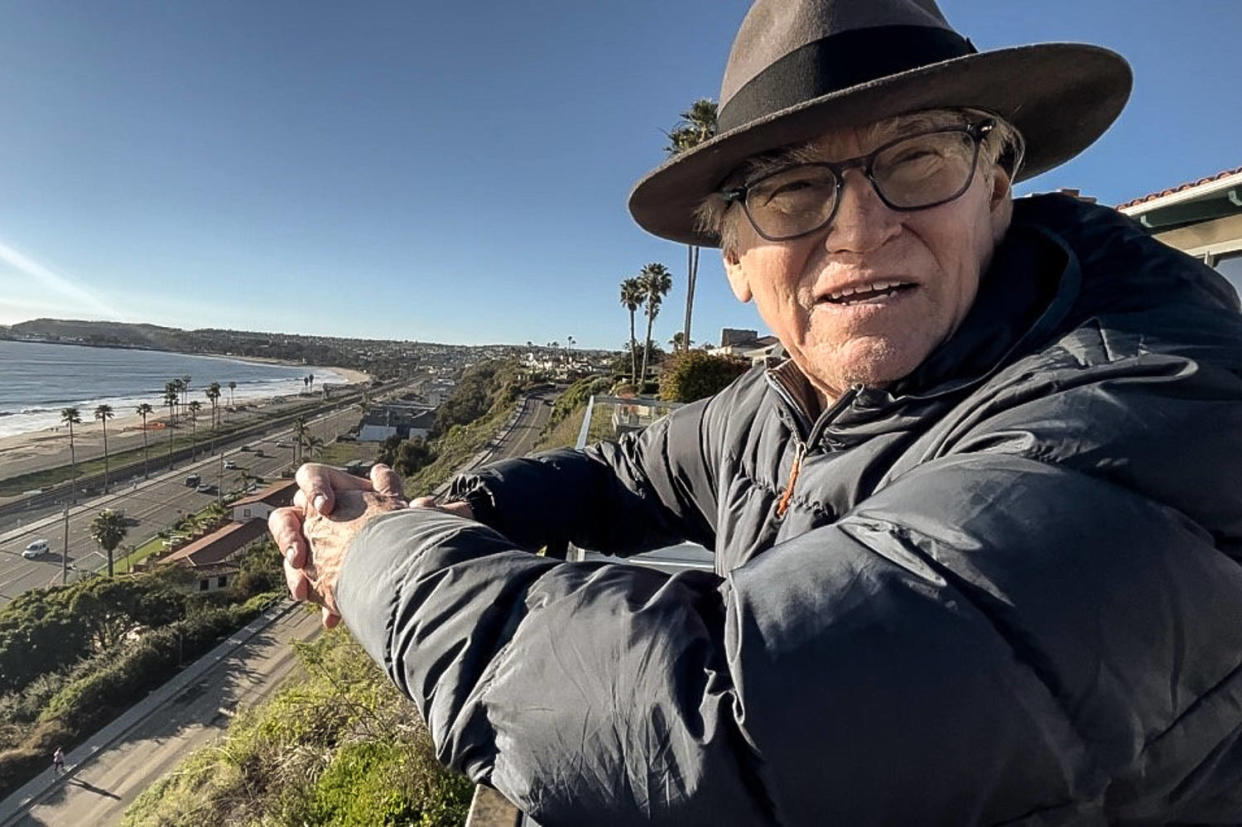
(799, 454)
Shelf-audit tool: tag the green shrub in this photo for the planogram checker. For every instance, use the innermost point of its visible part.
(695, 374)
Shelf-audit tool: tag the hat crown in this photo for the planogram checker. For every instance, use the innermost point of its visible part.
(773, 29)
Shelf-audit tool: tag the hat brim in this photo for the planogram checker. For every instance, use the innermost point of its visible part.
(1060, 96)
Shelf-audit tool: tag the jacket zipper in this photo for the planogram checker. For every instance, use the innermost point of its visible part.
(800, 447)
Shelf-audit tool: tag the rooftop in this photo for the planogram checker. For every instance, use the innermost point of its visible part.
(1189, 185)
(277, 493)
(218, 546)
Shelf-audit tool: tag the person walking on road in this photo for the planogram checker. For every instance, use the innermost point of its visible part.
(58, 761)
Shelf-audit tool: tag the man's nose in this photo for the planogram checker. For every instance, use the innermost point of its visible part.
(863, 222)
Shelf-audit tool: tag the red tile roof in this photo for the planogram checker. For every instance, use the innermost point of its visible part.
(279, 493)
(219, 545)
(1180, 188)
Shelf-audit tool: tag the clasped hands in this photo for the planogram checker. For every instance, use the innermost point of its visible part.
(329, 509)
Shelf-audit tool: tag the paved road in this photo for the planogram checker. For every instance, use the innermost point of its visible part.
(98, 792)
(155, 505)
(521, 438)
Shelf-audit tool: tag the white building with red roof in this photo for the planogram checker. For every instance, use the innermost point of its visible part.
(1202, 218)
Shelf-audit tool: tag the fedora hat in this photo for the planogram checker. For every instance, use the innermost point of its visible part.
(801, 67)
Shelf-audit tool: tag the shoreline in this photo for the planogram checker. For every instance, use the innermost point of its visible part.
(48, 447)
(351, 375)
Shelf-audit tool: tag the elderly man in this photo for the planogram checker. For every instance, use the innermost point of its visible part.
(977, 541)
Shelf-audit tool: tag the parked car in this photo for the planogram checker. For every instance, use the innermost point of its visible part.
(246, 448)
(36, 548)
(258, 452)
(206, 488)
(284, 445)
(230, 465)
(192, 480)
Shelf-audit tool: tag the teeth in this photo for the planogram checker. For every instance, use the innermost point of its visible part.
(878, 286)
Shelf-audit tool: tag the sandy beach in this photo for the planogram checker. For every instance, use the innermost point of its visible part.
(49, 447)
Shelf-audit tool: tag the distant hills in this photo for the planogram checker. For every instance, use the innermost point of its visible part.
(115, 334)
(380, 358)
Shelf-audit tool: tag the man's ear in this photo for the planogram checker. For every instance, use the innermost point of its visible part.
(1000, 203)
(737, 278)
(1001, 185)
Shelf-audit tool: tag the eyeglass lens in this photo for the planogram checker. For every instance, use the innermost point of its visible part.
(919, 171)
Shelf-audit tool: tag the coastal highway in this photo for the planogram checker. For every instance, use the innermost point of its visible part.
(155, 504)
(98, 791)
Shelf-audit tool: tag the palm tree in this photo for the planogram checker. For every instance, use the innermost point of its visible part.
(631, 300)
(213, 396)
(656, 282)
(144, 410)
(313, 445)
(185, 391)
(195, 407)
(232, 387)
(71, 417)
(171, 393)
(697, 124)
(299, 437)
(103, 413)
(108, 529)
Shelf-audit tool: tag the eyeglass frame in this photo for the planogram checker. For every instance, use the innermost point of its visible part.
(977, 131)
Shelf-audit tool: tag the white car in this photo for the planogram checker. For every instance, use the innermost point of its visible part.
(36, 548)
(230, 465)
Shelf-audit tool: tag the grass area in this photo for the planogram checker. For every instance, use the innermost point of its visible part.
(563, 434)
(341, 454)
(338, 745)
(142, 552)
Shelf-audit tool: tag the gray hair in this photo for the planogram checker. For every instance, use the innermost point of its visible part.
(1002, 146)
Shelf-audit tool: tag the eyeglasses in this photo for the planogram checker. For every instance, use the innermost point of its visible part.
(910, 173)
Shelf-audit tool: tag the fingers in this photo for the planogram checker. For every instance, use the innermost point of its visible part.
(458, 507)
(387, 481)
(285, 526)
(329, 619)
(297, 581)
(317, 483)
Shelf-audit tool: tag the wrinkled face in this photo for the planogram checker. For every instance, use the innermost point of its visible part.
(935, 256)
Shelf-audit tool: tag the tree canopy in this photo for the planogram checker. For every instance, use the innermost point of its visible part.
(694, 374)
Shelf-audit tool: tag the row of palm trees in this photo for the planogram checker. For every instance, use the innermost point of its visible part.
(646, 290)
(176, 394)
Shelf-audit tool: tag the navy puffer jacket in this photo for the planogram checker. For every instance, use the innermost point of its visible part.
(1006, 590)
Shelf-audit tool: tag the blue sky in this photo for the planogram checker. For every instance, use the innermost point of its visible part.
(441, 171)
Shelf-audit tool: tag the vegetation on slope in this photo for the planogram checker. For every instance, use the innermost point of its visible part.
(73, 657)
(341, 746)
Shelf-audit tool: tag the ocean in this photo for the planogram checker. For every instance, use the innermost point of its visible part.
(38, 380)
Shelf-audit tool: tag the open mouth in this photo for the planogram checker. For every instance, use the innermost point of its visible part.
(868, 293)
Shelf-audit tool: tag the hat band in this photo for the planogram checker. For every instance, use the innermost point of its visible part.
(838, 62)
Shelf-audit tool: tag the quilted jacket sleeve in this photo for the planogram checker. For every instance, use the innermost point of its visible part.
(988, 637)
(648, 490)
